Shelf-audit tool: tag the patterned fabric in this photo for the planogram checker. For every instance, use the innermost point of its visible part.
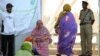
(23, 53)
(66, 9)
(67, 35)
(27, 46)
(26, 49)
(42, 39)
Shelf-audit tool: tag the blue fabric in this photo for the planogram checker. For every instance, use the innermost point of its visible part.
(65, 44)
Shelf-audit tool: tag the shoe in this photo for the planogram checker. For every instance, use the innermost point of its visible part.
(89, 55)
(58, 55)
(82, 55)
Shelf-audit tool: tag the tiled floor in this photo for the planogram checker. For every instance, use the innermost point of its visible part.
(77, 47)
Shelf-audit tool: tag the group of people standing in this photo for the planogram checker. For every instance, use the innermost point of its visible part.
(65, 27)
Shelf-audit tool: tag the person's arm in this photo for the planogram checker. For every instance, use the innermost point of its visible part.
(47, 36)
(15, 27)
(57, 22)
(33, 40)
(80, 15)
(33, 37)
(0, 20)
(32, 34)
(92, 17)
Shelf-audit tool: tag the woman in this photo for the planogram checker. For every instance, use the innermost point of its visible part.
(30, 39)
(26, 49)
(67, 29)
(41, 38)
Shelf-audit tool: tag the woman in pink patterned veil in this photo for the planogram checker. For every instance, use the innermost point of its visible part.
(41, 38)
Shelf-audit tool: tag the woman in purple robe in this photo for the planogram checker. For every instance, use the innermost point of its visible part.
(66, 27)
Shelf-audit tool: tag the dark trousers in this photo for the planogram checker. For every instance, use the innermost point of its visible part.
(8, 45)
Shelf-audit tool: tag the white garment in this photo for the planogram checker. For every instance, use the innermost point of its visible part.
(8, 22)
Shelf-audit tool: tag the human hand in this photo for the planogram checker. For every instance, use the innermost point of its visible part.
(57, 30)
